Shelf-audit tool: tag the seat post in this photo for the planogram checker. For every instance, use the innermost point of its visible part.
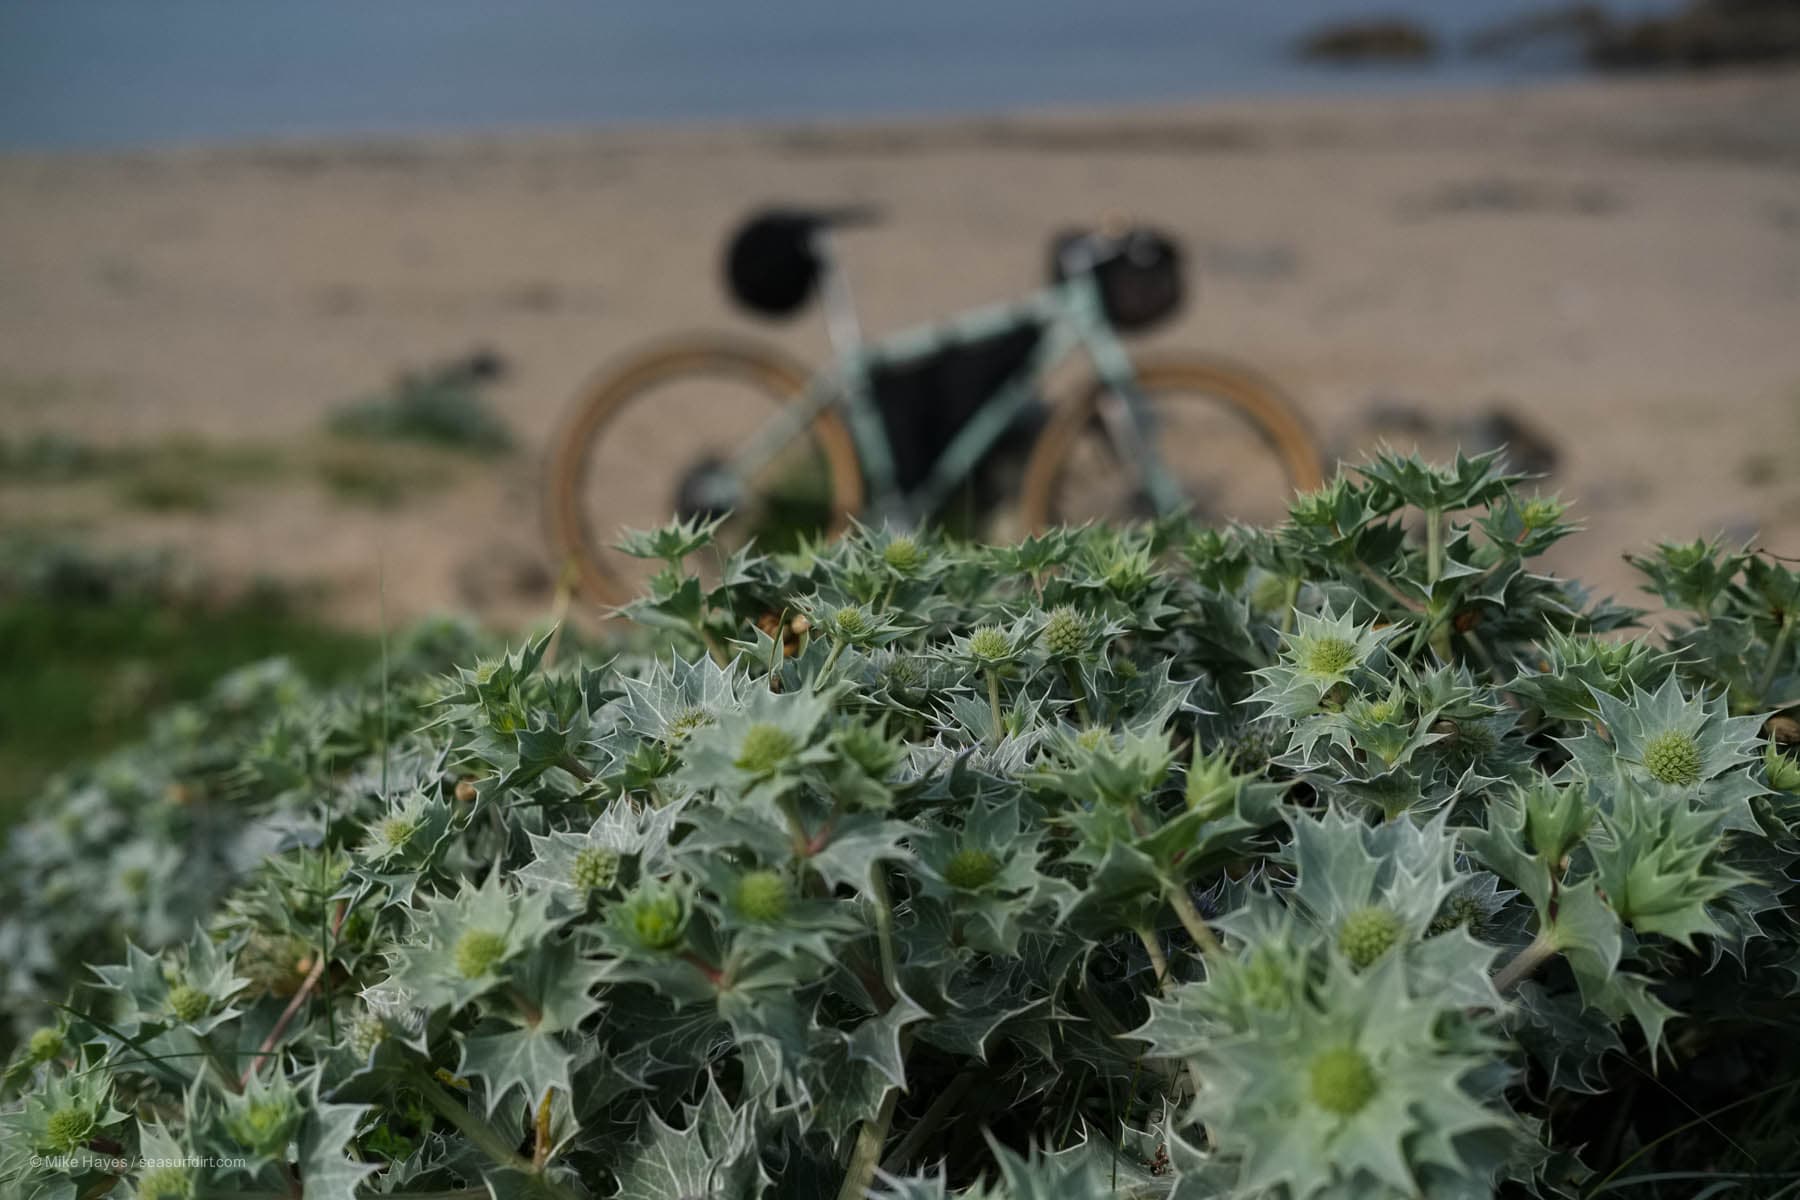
(841, 325)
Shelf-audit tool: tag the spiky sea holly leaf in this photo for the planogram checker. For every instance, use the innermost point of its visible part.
(507, 1183)
(986, 872)
(1360, 1087)
(196, 990)
(462, 946)
(1670, 742)
(674, 697)
(759, 752)
(713, 1154)
(856, 845)
(574, 865)
(977, 1008)
(923, 1187)
(673, 541)
(1198, 1174)
(554, 989)
(845, 1090)
(1348, 871)
(531, 1060)
(545, 745)
(1570, 1040)
(771, 1001)
(1587, 933)
(1570, 669)
(1505, 849)
(408, 837)
(1144, 703)
(1099, 769)
(1082, 1170)
(1659, 863)
(1271, 959)
(326, 1170)
(1325, 653)
(1468, 481)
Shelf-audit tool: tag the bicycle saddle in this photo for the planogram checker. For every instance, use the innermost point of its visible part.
(771, 262)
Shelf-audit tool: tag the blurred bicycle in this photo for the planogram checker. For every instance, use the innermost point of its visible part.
(896, 429)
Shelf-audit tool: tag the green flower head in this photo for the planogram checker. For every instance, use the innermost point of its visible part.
(1541, 512)
(903, 554)
(989, 644)
(765, 748)
(850, 622)
(1065, 632)
(971, 869)
(1352, 1089)
(1783, 770)
(655, 916)
(686, 721)
(366, 1033)
(265, 1120)
(1461, 911)
(1325, 655)
(1367, 934)
(595, 869)
(68, 1128)
(1342, 1081)
(763, 897)
(188, 1002)
(44, 1045)
(478, 952)
(165, 1183)
(1667, 739)
(1322, 655)
(1673, 757)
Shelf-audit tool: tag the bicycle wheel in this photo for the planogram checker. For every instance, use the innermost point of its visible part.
(641, 435)
(1230, 439)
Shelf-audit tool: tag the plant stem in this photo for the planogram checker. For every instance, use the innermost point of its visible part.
(287, 1014)
(540, 1145)
(870, 1139)
(1540, 951)
(1194, 923)
(1158, 959)
(1434, 545)
(867, 1156)
(884, 930)
(1775, 653)
(994, 703)
(919, 1134)
(837, 648)
(1074, 678)
(1399, 597)
(485, 1136)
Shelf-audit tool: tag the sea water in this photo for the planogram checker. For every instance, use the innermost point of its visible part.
(104, 73)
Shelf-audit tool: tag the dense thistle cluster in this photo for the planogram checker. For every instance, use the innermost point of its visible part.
(1353, 859)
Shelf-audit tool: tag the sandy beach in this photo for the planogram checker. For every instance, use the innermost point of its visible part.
(1615, 264)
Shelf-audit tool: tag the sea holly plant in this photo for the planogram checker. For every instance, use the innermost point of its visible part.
(1356, 858)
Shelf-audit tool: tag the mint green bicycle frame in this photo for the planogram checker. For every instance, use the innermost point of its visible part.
(1072, 318)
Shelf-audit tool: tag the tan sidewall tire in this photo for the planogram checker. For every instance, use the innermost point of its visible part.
(610, 391)
(1274, 417)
